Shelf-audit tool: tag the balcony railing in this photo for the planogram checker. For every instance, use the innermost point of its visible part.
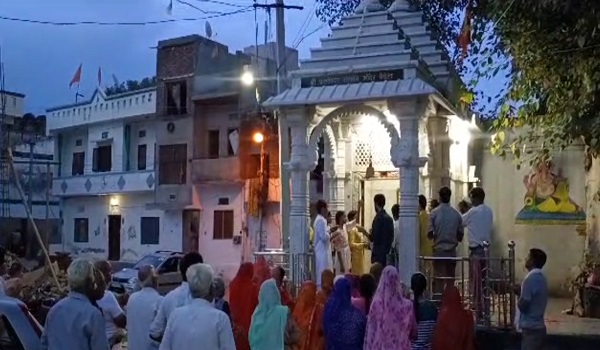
(104, 183)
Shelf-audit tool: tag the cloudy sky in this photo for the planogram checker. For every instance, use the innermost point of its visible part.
(40, 59)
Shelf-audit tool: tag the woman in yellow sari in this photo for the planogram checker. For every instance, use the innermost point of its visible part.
(357, 245)
(304, 314)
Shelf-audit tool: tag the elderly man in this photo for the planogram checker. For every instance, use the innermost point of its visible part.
(178, 297)
(114, 317)
(143, 306)
(199, 324)
(74, 323)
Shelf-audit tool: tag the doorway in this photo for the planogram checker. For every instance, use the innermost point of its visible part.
(114, 237)
(191, 228)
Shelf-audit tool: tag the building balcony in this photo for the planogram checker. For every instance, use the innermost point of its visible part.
(104, 183)
(216, 170)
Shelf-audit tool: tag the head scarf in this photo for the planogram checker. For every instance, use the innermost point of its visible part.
(327, 278)
(269, 320)
(243, 298)
(376, 270)
(391, 319)
(262, 271)
(353, 279)
(343, 324)
(304, 312)
(455, 327)
(337, 278)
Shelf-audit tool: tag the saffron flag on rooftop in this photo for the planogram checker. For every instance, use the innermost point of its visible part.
(77, 77)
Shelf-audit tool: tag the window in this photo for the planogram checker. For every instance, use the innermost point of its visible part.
(78, 163)
(102, 159)
(142, 134)
(78, 143)
(81, 230)
(231, 133)
(170, 265)
(172, 164)
(150, 230)
(141, 157)
(176, 98)
(223, 224)
(213, 144)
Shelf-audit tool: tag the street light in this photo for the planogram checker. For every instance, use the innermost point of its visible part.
(247, 77)
(258, 137)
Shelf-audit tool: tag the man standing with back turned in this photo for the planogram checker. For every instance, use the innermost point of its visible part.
(382, 231)
(446, 230)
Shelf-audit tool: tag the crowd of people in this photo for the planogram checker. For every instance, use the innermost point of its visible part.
(345, 308)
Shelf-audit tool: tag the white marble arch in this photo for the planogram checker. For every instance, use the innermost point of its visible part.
(346, 111)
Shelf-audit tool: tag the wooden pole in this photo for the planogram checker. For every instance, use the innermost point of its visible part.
(29, 216)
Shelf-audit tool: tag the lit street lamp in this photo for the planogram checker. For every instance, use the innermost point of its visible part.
(247, 77)
(258, 137)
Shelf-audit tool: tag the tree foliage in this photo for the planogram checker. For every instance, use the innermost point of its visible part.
(548, 50)
(130, 85)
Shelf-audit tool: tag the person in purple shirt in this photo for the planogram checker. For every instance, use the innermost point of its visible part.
(74, 323)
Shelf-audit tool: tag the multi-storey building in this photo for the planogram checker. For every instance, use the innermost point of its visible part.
(33, 163)
(106, 180)
(208, 165)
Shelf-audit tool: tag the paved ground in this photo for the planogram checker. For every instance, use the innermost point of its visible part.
(561, 324)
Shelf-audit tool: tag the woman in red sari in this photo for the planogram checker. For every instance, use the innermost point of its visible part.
(262, 271)
(243, 298)
(455, 327)
(304, 314)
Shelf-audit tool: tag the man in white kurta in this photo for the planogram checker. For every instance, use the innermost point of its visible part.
(323, 259)
(199, 325)
(141, 309)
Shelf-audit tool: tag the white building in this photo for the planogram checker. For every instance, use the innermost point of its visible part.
(106, 148)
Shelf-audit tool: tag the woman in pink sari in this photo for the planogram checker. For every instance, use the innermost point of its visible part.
(391, 322)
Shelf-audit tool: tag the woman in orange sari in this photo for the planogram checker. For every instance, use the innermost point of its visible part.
(317, 336)
(455, 327)
(262, 271)
(243, 298)
(304, 313)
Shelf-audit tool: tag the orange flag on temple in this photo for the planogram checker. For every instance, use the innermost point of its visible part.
(77, 77)
(464, 40)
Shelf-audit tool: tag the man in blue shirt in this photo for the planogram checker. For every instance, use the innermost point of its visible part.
(533, 298)
(74, 323)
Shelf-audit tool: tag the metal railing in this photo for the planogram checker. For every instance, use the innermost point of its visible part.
(486, 284)
(298, 267)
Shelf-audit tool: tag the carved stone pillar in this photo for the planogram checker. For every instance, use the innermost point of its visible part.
(405, 156)
(302, 160)
(337, 179)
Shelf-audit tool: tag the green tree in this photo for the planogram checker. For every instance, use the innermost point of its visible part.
(549, 51)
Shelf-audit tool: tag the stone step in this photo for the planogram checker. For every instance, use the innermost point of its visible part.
(401, 58)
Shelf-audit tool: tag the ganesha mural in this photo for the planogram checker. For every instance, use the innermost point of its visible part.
(547, 199)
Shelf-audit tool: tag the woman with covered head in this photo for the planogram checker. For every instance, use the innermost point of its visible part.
(391, 322)
(243, 298)
(273, 327)
(455, 327)
(343, 324)
(327, 277)
(219, 295)
(74, 323)
(304, 315)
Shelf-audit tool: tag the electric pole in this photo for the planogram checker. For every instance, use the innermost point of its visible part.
(284, 149)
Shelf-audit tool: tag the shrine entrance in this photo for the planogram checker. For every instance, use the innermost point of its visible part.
(378, 92)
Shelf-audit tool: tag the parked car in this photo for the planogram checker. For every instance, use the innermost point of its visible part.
(166, 264)
(19, 330)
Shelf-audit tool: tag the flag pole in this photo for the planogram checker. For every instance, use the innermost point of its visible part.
(77, 93)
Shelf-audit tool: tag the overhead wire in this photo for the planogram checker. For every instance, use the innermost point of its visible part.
(118, 23)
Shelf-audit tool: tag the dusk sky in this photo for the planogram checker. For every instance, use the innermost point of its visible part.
(40, 59)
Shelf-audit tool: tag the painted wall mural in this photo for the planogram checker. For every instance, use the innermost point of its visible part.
(548, 200)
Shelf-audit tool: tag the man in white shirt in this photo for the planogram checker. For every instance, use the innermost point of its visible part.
(178, 297)
(479, 221)
(142, 307)
(199, 324)
(114, 317)
(322, 249)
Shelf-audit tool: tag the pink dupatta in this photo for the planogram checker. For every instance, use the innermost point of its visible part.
(391, 321)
